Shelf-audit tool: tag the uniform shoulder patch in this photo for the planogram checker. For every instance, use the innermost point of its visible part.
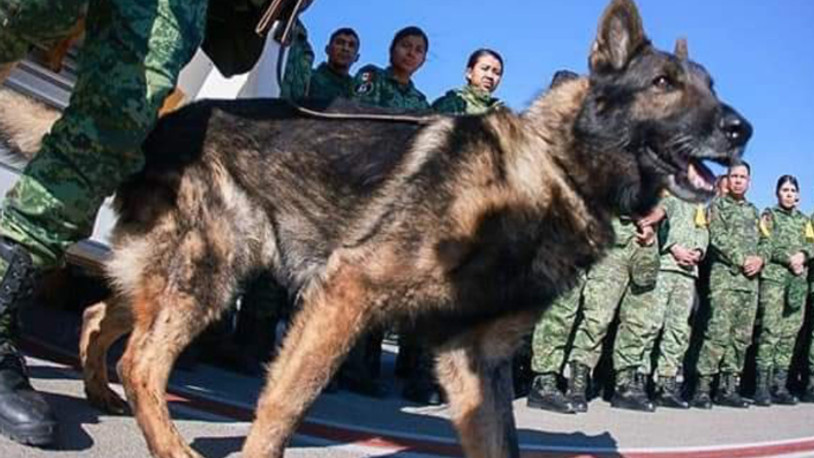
(364, 88)
(766, 221)
(810, 231)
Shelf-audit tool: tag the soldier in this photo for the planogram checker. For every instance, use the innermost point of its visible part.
(735, 264)
(549, 350)
(332, 78)
(128, 65)
(484, 71)
(808, 395)
(683, 241)
(632, 263)
(783, 291)
(298, 62)
(393, 87)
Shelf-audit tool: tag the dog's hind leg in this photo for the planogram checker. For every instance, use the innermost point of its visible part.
(102, 325)
(165, 322)
(331, 318)
(475, 371)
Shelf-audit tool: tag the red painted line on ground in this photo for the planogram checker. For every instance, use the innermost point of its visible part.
(396, 443)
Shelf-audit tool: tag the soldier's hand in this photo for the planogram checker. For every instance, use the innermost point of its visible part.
(645, 236)
(752, 265)
(652, 218)
(797, 263)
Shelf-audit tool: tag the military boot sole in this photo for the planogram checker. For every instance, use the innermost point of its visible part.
(761, 402)
(551, 406)
(632, 404)
(40, 434)
(672, 403)
(705, 404)
(784, 401)
(735, 403)
(580, 405)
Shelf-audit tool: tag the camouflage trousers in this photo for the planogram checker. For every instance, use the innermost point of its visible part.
(549, 342)
(729, 331)
(132, 54)
(665, 309)
(781, 306)
(606, 284)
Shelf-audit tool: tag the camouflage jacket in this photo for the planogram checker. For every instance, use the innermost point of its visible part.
(326, 84)
(733, 235)
(467, 100)
(782, 234)
(685, 224)
(377, 87)
(297, 65)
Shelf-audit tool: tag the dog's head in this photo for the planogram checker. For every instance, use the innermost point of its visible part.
(658, 110)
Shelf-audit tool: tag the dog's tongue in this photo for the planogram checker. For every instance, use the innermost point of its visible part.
(700, 176)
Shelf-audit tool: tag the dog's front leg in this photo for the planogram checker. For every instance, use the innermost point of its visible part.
(332, 317)
(475, 371)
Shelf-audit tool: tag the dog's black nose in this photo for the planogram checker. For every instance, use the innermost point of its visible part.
(736, 128)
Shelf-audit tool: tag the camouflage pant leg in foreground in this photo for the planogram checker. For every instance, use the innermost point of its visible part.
(782, 306)
(552, 332)
(729, 332)
(605, 285)
(27, 22)
(132, 55)
(675, 334)
(641, 315)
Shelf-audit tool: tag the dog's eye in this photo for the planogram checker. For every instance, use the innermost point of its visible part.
(663, 82)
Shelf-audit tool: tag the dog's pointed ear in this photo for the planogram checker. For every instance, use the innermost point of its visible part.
(681, 51)
(619, 38)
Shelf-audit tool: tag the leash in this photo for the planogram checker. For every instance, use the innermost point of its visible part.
(275, 12)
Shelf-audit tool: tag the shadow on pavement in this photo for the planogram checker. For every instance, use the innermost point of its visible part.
(564, 444)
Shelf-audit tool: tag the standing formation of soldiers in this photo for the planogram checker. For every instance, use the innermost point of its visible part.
(756, 268)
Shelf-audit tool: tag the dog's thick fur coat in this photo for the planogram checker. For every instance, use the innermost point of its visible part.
(467, 227)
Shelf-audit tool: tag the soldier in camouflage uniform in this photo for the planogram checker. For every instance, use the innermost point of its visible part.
(484, 71)
(631, 264)
(393, 87)
(783, 291)
(549, 350)
(808, 395)
(131, 58)
(332, 78)
(735, 264)
(683, 239)
(298, 63)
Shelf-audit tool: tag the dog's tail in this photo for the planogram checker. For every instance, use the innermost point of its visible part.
(23, 123)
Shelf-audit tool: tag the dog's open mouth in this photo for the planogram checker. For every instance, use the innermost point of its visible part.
(694, 181)
(688, 177)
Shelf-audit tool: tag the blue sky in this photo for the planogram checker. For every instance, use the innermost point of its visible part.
(759, 52)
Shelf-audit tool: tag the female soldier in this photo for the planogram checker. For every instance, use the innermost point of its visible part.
(484, 70)
(387, 88)
(393, 87)
(783, 290)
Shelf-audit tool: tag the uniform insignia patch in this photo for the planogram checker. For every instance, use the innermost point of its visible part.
(364, 88)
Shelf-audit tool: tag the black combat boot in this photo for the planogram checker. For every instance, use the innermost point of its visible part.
(422, 386)
(727, 394)
(545, 394)
(808, 395)
(762, 396)
(701, 399)
(577, 387)
(670, 394)
(630, 392)
(25, 416)
(780, 390)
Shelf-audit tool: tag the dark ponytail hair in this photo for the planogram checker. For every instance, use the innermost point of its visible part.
(475, 57)
(786, 179)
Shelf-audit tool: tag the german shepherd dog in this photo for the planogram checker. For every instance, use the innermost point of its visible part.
(467, 227)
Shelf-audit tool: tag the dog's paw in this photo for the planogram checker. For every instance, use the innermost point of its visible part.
(107, 400)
